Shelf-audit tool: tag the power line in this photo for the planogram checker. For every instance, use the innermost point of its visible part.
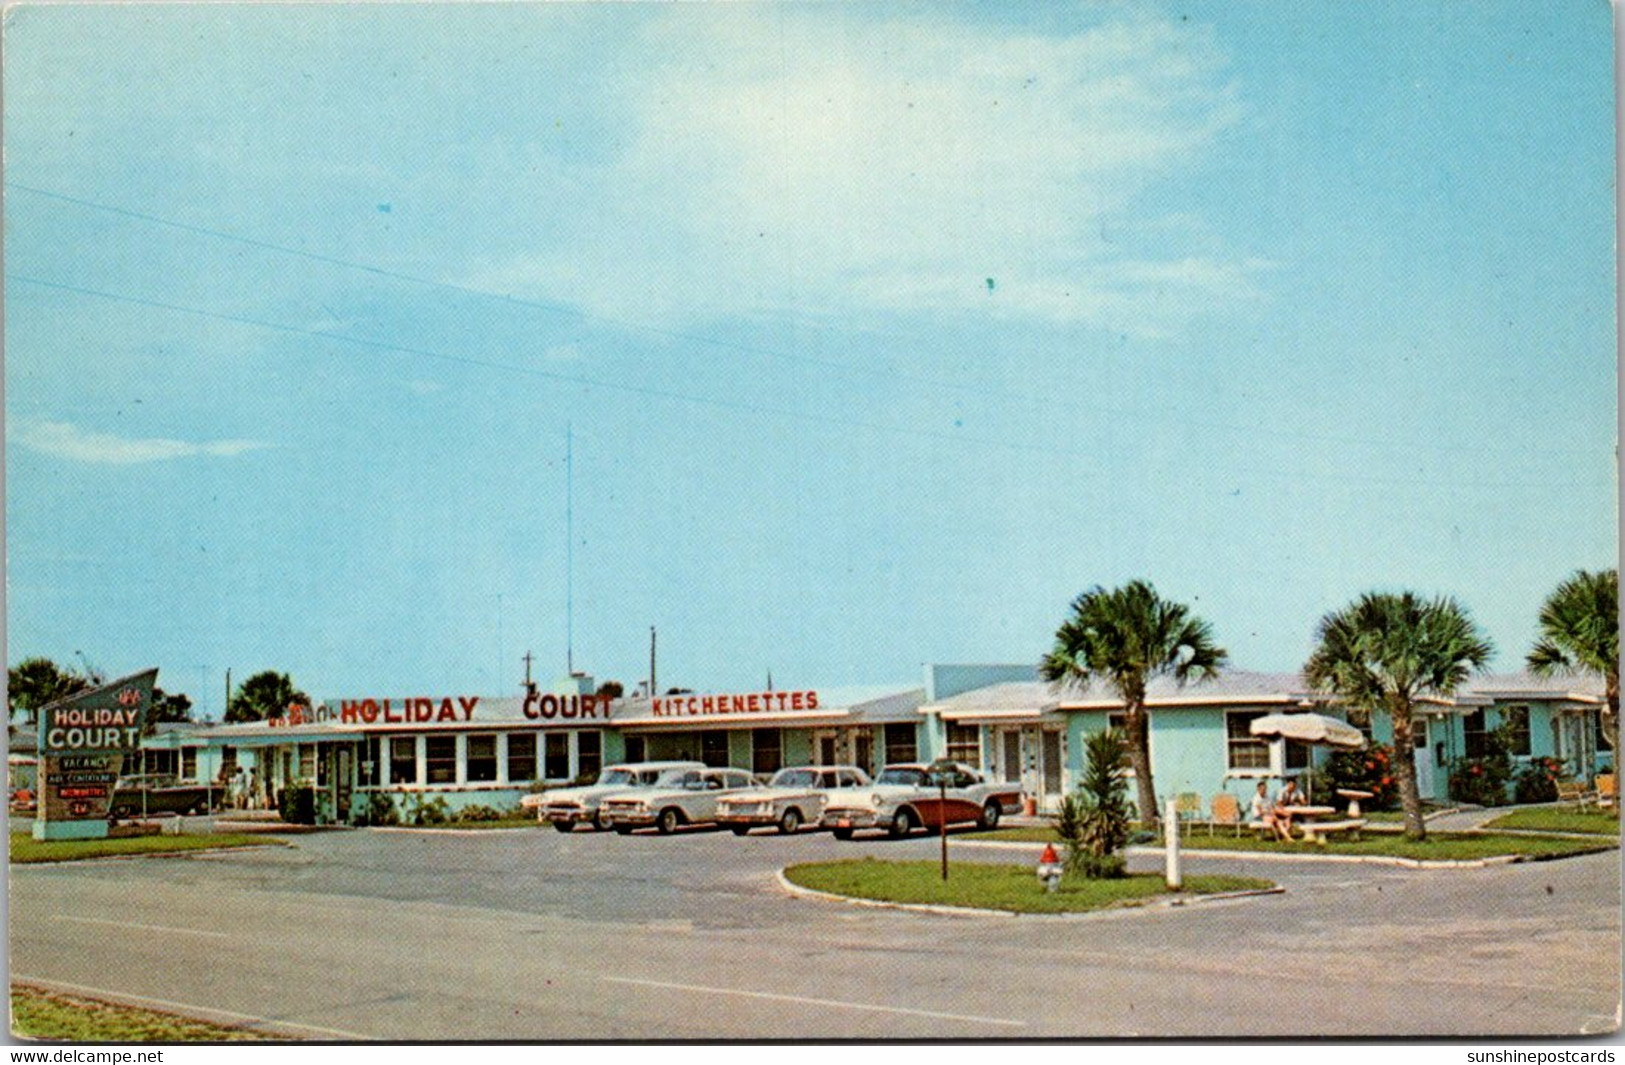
(737, 406)
(748, 349)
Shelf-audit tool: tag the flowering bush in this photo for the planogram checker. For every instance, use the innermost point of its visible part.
(1537, 781)
(1484, 780)
(1369, 770)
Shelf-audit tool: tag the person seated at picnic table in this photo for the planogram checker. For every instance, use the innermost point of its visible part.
(1263, 807)
(1284, 802)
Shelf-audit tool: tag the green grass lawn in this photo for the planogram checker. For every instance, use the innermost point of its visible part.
(993, 887)
(25, 848)
(1439, 846)
(1558, 819)
(40, 1014)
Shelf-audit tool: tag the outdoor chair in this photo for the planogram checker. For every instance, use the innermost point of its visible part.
(1226, 810)
(1576, 792)
(1188, 805)
(1607, 789)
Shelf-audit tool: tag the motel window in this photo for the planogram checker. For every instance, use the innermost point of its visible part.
(556, 764)
(440, 759)
(403, 760)
(164, 762)
(307, 762)
(1517, 718)
(766, 751)
(228, 762)
(369, 762)
(521, 756)
(1472, 727)
(635, 749)
(188, 763)
(1297, 755)
(900, 743)
(1244, 750)
(481, 760)
(589, 753)
(714, 747)
(1599, 738)
(964, 744)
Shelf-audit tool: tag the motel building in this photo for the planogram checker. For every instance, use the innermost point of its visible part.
(1002, 719)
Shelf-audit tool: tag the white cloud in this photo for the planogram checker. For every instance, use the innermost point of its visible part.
(779, 162)
(424, 388)
(67, 441)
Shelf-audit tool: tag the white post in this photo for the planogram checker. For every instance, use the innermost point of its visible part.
(1170, 831)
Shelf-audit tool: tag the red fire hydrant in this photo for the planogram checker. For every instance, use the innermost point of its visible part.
(1049, 868)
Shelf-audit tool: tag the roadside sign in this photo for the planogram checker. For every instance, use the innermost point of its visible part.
(83, 740)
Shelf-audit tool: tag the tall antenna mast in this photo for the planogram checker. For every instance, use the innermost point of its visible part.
(569, 552)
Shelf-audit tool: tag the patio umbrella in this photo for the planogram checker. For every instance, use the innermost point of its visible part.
(1309, 728)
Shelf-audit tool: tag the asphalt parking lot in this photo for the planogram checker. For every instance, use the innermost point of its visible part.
(534, 935)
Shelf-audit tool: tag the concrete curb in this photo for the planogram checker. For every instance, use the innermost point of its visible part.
(448, 831)
(1354, 859)
(195, 852)
(970, 911)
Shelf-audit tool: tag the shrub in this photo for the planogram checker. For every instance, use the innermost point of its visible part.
(477, 812)
(380, 810)
(1484, 780)
(297, 804)
(1369, 770)
(431, 812)
(1100, 867)
(1094, 821)
(1537, 781)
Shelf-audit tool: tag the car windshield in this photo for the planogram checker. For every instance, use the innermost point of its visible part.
(901, 775)
(795, 778)
(617, 776)
(673, 777)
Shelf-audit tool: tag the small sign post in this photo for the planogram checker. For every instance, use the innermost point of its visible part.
(1170, 830)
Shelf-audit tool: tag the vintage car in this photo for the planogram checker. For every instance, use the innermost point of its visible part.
(158, 793)
(794, 797)
(568, 807)
(691, 800)
(909, 796)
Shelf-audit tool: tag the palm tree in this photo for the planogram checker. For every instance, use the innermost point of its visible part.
(1579, 633)
(1385, 651)
(264, 695)
(34, 682)
(1124, 638)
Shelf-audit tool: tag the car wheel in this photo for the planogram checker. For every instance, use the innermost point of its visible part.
(790, 822)
(599, 823)
(990, 816)
(669, 820)
(122, 812)
(841, 833)
(199, 808)
(740, 830)
(562, 826)
(623, 830)
(903, 823)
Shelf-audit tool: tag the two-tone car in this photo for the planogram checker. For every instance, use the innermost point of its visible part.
(793, 798)
(690, 800)
(912, 795)
(566, 808)
(143, 794)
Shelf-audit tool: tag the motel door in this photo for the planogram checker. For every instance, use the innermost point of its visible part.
(1050, 761)
(1426, 771)
(826, 747)
(1008, 746)
(340, 770)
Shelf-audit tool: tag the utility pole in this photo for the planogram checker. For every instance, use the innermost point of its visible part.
(653, 691)
(569, 552)
(529, 687)
(227, 709)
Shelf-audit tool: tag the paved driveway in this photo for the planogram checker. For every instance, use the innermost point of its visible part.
(535, 935)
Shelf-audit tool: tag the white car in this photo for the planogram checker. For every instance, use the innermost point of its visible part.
(909, 796)
(568, 807)
(690, 799)
(794, 797)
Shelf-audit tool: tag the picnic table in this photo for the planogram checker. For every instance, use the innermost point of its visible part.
(1304, 818)
(1354, 796)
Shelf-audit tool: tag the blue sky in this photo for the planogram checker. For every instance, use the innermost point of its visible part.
(882, 330)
